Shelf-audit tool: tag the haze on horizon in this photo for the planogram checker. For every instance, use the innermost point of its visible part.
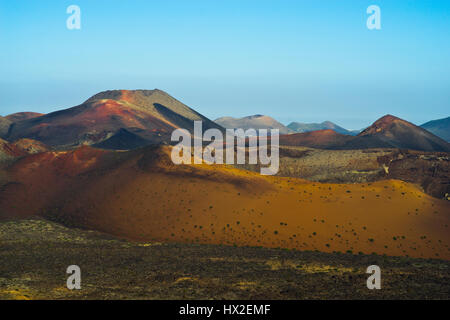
(307, 61)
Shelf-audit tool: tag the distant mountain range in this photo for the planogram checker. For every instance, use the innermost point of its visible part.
(307, 127)
(265, 122)
(386, 132)
(440, 127)
(253, 122)
(128, 119)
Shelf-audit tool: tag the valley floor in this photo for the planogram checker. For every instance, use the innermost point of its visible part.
(34, 255)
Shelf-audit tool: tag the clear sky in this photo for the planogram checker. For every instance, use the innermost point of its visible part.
(304, 61)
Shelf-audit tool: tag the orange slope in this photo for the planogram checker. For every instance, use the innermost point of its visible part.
(140, 195)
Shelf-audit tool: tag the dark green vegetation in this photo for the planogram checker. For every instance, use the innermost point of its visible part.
(34, 255)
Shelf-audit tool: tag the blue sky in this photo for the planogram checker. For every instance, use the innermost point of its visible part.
(304, 61)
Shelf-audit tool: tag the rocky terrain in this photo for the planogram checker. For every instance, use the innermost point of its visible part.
(34, 255)
(10, 152)
(429, 170)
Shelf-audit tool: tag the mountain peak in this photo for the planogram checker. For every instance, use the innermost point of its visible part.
(255, 116)
(400, 133)
(388, 118)
(384, 124)
(126, 95)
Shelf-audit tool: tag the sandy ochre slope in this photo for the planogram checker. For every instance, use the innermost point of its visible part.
(141, 195)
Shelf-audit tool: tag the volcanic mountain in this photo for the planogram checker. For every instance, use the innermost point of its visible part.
(440, 127)
(151, 114)
(141, 195)
(399, 133)
(386, 132)
(253, 122)
(307, 127)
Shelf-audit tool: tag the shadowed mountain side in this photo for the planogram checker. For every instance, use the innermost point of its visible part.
(153, 112)
(161, 105)
(123, 140)
(4, 126)
(440, 128)
(142, 195)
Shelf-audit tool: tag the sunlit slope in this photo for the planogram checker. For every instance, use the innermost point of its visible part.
(141, 195)
(151, 115)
